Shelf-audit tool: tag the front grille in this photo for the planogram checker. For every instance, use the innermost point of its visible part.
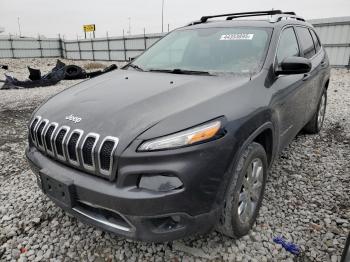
(88, 148)
(62, 143)
(59, 141)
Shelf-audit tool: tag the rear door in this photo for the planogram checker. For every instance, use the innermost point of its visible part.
(321, 63)
(310, 79)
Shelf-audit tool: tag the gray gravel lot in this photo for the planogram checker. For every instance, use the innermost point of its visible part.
(307, 198)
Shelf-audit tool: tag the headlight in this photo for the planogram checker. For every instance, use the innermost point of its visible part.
(184, 138)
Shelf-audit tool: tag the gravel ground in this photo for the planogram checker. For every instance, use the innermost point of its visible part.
(307, 198)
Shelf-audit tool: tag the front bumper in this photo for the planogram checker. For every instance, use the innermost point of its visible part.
(122, 208)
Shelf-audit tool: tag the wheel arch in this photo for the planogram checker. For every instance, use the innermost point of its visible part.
(265, 138)
(259, 135)
(263, 135)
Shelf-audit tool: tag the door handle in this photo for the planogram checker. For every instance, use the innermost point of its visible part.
(306, 77)
(323, 63)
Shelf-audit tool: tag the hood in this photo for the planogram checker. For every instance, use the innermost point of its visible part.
(125, 103)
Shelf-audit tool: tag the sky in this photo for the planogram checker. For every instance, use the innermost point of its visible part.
(67, 17)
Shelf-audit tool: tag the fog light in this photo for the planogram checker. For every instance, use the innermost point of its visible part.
(160, 183)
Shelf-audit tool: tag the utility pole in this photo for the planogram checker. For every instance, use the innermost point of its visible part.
(162, 16)
(19, 27)
(129, 25)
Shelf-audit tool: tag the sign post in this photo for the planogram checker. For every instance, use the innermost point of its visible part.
(89, 28)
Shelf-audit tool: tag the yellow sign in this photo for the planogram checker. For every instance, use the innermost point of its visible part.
(89, 28)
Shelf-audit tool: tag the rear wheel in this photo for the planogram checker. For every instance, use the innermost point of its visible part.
(316, 122)
(245, 192)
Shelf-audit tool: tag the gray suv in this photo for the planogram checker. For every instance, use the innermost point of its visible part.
(181, 139)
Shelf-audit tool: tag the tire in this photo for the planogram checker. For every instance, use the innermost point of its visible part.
(314, 126)
(234, 222)
(74, 72)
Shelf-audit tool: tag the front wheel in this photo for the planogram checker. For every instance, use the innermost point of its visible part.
(245, 192)
(315, 124)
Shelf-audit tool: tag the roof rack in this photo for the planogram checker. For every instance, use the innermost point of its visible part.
(279, 15)
(243, 14)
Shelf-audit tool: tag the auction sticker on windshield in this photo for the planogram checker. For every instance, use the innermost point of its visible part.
(241, 36)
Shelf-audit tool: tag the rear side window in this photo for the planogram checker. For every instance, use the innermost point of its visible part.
(316, 40)
(288, 45)
(307, 43)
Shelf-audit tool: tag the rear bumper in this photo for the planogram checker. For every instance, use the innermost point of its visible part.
(125, 210)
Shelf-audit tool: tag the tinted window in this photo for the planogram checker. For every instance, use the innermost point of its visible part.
(288, 45)
(216, 50)
(307, 43)
(316, 41)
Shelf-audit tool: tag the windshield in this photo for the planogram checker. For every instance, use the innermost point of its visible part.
(214, 50)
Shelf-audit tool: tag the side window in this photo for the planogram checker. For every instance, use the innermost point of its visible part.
(307, 43)
(316, 40)
(288, 45)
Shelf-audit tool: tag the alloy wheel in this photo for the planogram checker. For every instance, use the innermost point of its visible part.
(250, 190)
(321, 111)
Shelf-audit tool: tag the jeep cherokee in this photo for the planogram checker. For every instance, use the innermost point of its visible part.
(181, 139)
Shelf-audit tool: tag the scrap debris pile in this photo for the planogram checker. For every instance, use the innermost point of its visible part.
(60, 72)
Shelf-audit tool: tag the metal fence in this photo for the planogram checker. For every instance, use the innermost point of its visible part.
(30, 47)
(335, 37)
(114, 48)
(109, 48)
(334, 34)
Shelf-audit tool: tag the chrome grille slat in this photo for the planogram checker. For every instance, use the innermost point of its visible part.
(111, 148)
(33, 127)
(59, 145)
(76, 145)
(39, 133)
(48, 138)
(86, 165)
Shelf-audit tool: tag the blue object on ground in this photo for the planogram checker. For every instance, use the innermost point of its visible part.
(289, 246)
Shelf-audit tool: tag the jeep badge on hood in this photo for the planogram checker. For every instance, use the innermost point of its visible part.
(73, 118)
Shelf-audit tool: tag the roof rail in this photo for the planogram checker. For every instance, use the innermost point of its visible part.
(276, 16)
(280, 17)
(243, 14)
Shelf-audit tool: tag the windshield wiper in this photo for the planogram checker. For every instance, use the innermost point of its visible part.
(135, 67)
(181, 71)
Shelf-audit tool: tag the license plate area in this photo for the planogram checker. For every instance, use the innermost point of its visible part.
(61, 191)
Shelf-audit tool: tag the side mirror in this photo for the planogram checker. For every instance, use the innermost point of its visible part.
(294, 65)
